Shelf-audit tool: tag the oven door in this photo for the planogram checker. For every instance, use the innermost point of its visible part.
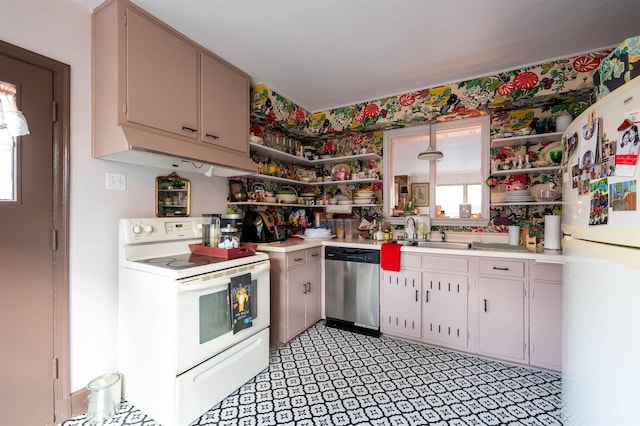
(205, 313)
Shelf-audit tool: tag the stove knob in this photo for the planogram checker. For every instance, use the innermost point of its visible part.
(137, 229)
(148, 229)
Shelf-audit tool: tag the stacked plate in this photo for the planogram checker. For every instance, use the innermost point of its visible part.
(317, 232)
(363, 197)
(519, 196)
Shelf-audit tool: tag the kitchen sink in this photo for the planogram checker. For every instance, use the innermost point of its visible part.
(443, 244)
(435, 244)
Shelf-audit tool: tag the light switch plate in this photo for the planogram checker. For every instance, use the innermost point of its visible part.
(116, 181)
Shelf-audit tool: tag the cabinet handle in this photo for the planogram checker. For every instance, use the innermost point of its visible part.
(304, 286)
(497, 268)
(315, 255)
(209, 135)
(485, 305)
(427, 297)
(309, 287)
(189, 129)
(416, 295)
(299, 259)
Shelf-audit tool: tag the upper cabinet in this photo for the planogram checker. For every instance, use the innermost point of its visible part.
(158, 95)
(162, 85)
(225, 105)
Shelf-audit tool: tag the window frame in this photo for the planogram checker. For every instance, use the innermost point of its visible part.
(485, 123)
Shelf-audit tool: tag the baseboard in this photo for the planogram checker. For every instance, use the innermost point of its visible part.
(79, 402)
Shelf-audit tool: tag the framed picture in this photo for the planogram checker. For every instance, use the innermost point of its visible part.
(420, 193)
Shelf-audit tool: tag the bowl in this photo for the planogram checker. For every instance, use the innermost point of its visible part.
(287, 198)
(363, 194)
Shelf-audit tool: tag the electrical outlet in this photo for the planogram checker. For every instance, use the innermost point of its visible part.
(116, 181)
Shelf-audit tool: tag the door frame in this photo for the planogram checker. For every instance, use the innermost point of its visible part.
(60, 221)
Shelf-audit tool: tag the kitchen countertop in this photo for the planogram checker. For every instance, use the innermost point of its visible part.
(293, 244)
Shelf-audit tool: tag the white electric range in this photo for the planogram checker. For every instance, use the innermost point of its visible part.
(192, 328)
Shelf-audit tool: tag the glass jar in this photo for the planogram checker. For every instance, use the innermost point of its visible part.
(229, 237)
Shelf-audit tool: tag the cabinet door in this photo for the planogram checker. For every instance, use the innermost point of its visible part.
(400, 303)
(296, 301)
(501, 318)
(225, 105)
(546, 325)
(313, 297)
(161, 83)
(444, 309)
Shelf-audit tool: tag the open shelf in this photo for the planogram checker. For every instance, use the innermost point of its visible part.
(553, 169)
(525, 140)
(529, 203)
(302, 206)
(276, 154)
(299, 182)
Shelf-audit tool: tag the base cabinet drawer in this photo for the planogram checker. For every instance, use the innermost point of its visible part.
(502, 267)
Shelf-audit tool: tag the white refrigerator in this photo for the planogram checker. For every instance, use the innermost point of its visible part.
(601, 278)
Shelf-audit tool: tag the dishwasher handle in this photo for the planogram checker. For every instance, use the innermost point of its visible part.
(352, 254)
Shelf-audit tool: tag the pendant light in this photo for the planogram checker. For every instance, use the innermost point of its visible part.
(430, 154)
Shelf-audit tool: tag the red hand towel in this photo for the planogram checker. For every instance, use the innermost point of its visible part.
(390, 257)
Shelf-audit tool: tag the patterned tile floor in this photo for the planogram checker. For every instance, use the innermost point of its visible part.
(329, 377)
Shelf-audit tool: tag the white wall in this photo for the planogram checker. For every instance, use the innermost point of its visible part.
(61, 29)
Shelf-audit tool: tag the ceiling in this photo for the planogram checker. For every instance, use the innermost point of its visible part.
(328, 53)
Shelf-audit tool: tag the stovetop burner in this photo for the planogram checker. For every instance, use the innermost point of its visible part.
(181, 261)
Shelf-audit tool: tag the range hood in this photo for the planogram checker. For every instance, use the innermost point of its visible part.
(136, 146)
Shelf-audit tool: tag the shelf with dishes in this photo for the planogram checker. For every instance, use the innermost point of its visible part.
(276, 154)
(311, 183)
(528, 203)
(525, 139)
(301, 205)
(528, 170)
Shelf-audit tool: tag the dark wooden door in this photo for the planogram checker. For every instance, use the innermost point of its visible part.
(27, 257)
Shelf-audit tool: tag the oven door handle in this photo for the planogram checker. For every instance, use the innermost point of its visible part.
(205, 283)
(215, 284)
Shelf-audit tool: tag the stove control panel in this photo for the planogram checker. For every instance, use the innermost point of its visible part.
(136, 231)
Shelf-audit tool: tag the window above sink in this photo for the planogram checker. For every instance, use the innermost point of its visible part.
(458, 178)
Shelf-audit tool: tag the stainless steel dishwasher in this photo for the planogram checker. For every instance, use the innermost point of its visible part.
(352, 289)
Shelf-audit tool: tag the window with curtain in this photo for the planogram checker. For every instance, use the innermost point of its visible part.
(12, 124)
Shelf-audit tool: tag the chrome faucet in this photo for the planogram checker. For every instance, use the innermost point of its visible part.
(442, 235)
(413, 235)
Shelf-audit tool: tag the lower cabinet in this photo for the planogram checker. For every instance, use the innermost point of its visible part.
(545, 306)
(400, 303)
(502, 309)
(445, 301)
(296, 301)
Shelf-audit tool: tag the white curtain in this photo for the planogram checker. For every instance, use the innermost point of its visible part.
(11, 120)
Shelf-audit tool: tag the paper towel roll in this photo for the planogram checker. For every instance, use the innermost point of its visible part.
(552, 233)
